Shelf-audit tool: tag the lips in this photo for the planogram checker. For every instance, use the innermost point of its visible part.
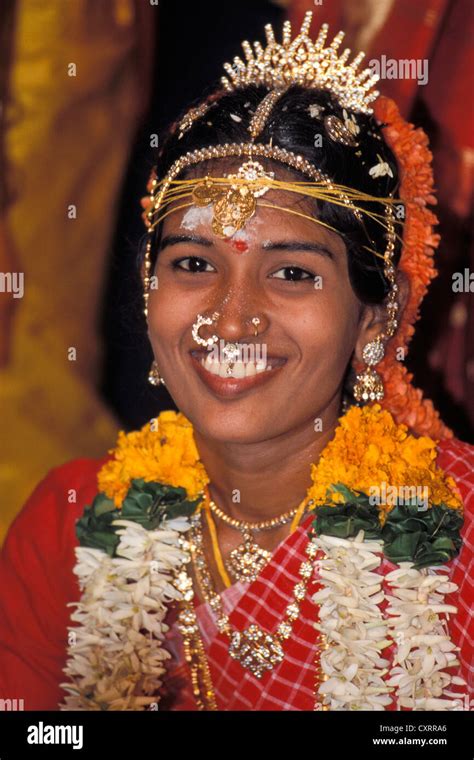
(245, 375)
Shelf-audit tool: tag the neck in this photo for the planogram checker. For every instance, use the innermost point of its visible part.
(258, 481)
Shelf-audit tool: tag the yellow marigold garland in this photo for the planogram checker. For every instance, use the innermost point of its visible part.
(164, 452)
(369, 448)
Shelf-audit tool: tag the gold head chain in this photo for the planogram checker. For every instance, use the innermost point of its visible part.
(235, 197)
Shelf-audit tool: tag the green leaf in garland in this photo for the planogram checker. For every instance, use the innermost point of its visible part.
(95, 528)
(147, 503)
(346, 520)
(430, 537)
(424, 537)
(350, 496)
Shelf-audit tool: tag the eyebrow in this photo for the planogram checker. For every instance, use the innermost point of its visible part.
(298, 245)
(175, 239)
(283, 245)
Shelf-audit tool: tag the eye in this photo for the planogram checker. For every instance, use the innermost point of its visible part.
(293, 274)
(193, 264)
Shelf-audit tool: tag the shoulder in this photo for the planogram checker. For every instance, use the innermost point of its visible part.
(457, 454)
(50, 513)
(456, 458)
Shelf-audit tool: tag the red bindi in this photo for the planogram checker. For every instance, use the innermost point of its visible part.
(240, 245)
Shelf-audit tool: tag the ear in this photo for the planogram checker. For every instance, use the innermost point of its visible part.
(374, 316)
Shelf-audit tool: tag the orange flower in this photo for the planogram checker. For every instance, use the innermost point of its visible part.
(410, 147)
(368, 449)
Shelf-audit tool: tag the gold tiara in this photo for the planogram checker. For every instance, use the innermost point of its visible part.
(306, 63)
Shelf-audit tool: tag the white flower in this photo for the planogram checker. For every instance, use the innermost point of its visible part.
(116, 658)
(314, 110)
(350, 123)
(357, 632)
(424, 647)
(380, 169)
(116, 654)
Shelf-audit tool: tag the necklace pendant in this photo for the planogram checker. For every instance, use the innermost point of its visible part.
(247, 560)
(256, 650)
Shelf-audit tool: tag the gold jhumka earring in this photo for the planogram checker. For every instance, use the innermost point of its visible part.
(369, 385)
(154, 377)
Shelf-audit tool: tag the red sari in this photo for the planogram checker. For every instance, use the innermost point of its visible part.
(37, 582)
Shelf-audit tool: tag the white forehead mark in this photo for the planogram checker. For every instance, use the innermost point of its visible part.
(196, 215)
(250, 231)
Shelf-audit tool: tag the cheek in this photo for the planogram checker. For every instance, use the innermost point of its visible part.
(166, 316)
(329, 328)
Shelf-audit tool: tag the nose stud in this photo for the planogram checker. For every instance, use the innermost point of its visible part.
(256, 322)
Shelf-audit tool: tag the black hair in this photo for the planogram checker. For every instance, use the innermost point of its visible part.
(295, 121)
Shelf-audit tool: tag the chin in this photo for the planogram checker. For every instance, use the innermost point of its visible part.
(230, 423)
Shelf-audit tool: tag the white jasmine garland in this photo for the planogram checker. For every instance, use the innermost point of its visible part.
(355, 674)
(117, 661)
(352, 622)
(425, 649)
(115, 658)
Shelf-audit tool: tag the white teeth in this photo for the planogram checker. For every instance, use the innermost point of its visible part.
(239, 370)
(210, 365)
(250, 369)
(223, 370)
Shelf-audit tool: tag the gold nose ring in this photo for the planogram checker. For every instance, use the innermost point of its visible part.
(200, 321)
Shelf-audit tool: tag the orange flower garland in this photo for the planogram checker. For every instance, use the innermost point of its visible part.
(410, 147)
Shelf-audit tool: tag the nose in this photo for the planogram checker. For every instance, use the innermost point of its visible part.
(237, 318)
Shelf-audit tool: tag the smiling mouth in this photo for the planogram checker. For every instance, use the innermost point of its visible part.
(239, 369)
(245, 375)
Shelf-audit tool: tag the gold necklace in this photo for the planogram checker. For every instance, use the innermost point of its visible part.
(194, 651)
(255, 649)
(193, 646)
(273, 522)
(248, 559)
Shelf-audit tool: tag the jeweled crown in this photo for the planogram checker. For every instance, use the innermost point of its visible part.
(307, 63)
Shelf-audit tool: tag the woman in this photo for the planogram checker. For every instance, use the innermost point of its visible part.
(299, 535)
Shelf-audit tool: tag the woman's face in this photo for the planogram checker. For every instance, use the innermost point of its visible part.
(308, 327)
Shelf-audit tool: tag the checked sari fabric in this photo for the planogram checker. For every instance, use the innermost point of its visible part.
(291, 684)
(37, 583)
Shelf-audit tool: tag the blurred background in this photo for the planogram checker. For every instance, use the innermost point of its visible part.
(85, 86)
